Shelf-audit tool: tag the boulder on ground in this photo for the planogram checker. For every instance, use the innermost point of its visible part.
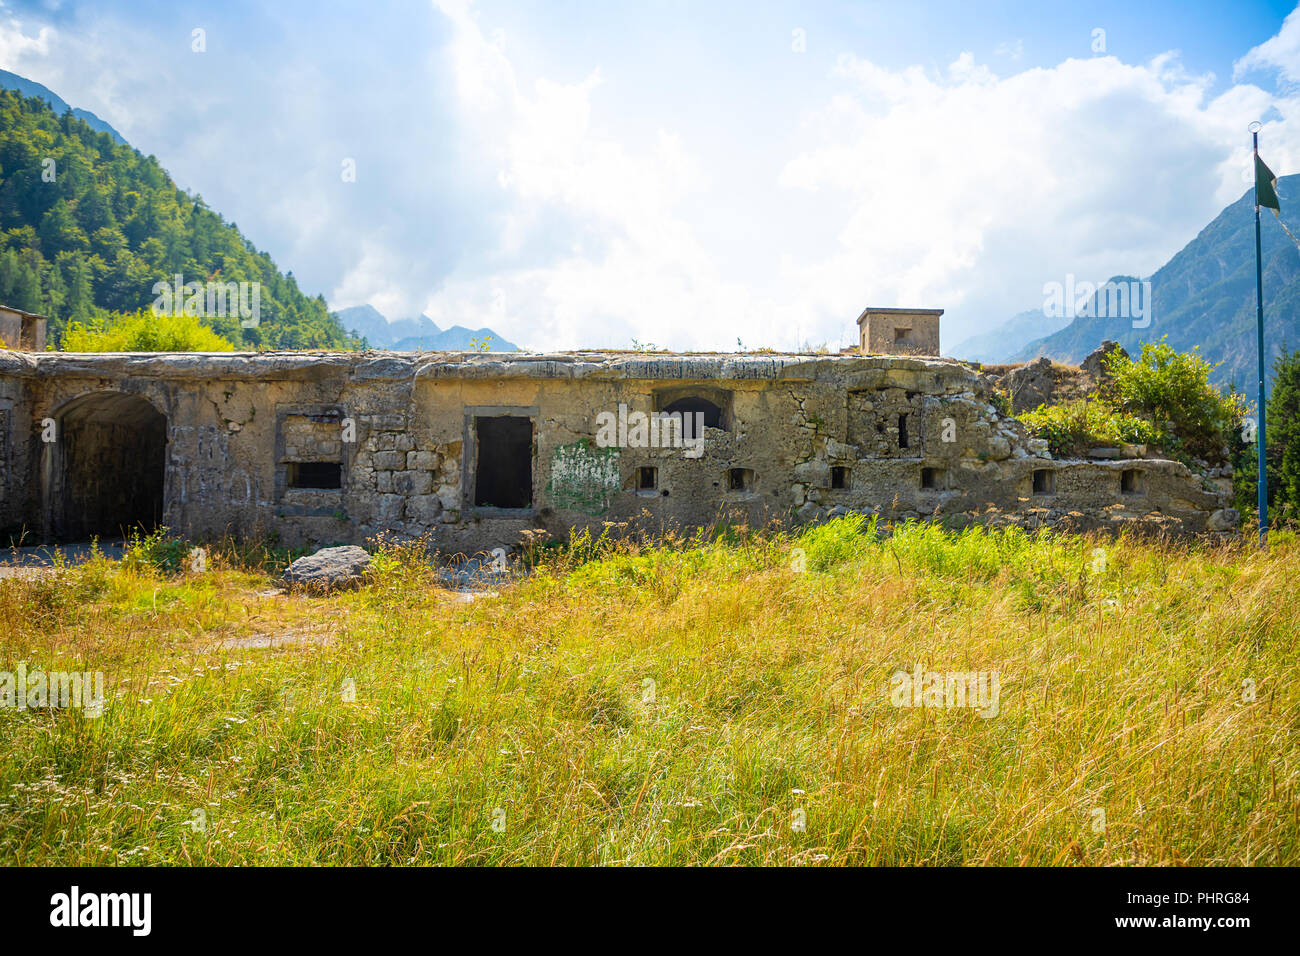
(1095, 364)
(1225, 519)
(1030, 385)
(329, 569)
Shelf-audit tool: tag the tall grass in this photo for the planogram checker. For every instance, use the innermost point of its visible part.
(718, 699)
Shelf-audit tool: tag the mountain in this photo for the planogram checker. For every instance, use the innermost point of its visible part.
(366, 321)
(1008, 338)
(1205, 297)
(89, 226)
(415, 335)
(20, 84)
(455, 339)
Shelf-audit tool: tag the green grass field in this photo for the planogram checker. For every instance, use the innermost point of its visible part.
(723, 701)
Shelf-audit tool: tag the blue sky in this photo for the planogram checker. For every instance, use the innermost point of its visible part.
(687, 174)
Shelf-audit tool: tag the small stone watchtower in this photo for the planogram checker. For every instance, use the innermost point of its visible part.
(899, 331)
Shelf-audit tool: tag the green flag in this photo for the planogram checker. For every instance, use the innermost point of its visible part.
(1265, 185)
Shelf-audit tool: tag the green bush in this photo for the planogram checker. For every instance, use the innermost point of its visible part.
(144, 331)
(1162, 399)
(156, 551)
(1172, 390)
(1075, 427)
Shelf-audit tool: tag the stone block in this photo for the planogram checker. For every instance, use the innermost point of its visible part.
(412, 482)
(424, 509)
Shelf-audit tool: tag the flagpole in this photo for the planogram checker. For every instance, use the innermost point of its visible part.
(1259, 339)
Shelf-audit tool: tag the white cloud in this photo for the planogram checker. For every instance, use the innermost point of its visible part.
(17, 45)
(965, 190)
(1014, 49)
(642, 273)
(970, 190)
(1280, 53)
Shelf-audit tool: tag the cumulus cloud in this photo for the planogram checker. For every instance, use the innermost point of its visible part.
(622, 260)
(965, 190)
(969, 190)
(17, 45)
(1280, 53)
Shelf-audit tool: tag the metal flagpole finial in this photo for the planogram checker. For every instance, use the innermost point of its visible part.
(1255, 127)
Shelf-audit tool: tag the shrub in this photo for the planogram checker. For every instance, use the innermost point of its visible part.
(155, 551)
(1073, 428)
(144, 331)
(1172, 390)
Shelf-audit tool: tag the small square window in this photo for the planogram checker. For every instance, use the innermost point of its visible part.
(740, 479)
(1130, 481)
(314, 474)
(902, 335)
(647, 478)
(1044, 481)
(839, 477)
(931, 479)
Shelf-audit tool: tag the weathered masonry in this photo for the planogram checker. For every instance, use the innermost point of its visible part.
(21, 330)
(477, 449)
(899, 331)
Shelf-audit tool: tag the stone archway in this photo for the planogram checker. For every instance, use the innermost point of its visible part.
(105, 472)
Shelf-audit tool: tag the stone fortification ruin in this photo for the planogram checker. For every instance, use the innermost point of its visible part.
(478, 450)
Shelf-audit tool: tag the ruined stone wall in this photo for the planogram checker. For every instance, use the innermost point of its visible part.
(22, 330)
(15, 445)
(475, 449)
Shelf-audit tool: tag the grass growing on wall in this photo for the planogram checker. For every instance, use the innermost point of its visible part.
(687, 702)
(1074, 428)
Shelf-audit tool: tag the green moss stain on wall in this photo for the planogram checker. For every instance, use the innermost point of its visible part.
(583, 477)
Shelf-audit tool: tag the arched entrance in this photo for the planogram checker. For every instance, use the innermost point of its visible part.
(106, 468)
(695, 410)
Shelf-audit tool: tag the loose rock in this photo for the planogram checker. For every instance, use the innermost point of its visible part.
(330, 569)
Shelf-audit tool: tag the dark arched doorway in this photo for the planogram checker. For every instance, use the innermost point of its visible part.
(107, 467)
(695, 411)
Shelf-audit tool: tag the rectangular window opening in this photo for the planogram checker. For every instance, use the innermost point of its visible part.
(647, 478)
(503, 472)
(1044, 481)
(314, 474)
(839, 478)
(902, 431)
(740, 479)
(1130, 481)
(931, 478)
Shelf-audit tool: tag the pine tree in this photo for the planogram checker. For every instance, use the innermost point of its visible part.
(1283, 436)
